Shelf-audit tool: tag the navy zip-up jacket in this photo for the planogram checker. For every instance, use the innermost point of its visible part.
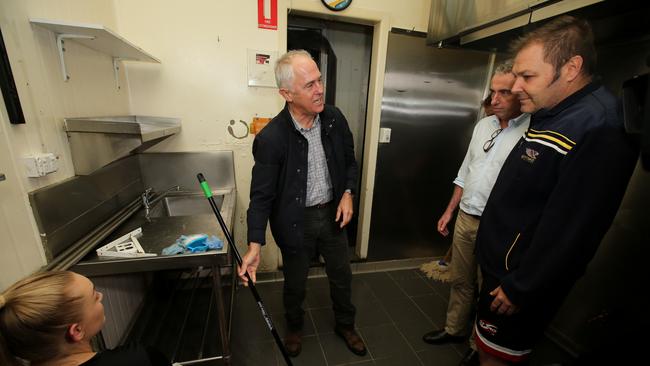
(556, 196)
(279, 181)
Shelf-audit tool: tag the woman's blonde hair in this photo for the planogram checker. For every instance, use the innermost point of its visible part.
(34, 316)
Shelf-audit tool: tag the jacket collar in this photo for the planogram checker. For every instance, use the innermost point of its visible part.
(568, 101)
(327, 119)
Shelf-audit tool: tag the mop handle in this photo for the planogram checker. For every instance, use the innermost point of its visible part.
(231, 243)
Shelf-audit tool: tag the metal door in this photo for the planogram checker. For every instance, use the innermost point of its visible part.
(430, 103)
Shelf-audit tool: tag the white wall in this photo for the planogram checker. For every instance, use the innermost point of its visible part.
(46, 99)
(203, 78)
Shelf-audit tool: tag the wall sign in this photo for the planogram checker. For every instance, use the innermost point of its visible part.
(260, 68)
(267, 14)
(336, 5)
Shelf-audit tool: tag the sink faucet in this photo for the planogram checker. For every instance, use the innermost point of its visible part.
(147, 202)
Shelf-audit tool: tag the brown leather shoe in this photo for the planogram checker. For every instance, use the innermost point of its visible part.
(293, 342)
(352, 340)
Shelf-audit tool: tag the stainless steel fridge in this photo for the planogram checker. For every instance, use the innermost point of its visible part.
(430, 104)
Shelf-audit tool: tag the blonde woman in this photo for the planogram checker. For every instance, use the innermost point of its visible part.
(49, 319)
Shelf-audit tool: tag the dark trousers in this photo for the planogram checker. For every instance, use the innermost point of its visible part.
(322, 236)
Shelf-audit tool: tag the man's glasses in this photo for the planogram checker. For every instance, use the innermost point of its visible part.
(489, 143)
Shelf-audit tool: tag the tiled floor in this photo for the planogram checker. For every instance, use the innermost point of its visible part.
(394, 309)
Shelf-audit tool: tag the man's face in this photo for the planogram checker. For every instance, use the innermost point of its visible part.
(505, 104)
(534, 84)
(306, 92)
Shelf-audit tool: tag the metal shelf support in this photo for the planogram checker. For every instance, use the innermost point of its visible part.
(60, 41)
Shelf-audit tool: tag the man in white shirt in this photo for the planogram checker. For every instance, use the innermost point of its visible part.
(492, 140)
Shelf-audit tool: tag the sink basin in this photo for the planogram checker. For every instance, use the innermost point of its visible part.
(184, 205)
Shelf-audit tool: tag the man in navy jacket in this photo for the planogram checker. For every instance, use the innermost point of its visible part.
(557, 193)
(303, 183)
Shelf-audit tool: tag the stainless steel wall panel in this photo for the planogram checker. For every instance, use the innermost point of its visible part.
(66, 211)
(431, 100)
(163, 170)
(123, 296)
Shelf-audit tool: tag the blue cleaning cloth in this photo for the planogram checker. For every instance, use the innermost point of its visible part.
(196, 243)
(173, 249)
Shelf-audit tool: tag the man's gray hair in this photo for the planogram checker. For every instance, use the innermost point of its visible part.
(504, 68)
(284, 68)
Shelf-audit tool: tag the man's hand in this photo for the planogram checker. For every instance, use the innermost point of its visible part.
(344, 211)
(501, 304)
(442, 223)
(250, 261)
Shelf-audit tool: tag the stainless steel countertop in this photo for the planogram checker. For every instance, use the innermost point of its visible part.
(158, 233)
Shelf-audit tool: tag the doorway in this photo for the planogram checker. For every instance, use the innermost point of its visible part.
(343, 54)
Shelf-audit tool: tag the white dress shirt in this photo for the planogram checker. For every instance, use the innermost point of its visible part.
(480, 169)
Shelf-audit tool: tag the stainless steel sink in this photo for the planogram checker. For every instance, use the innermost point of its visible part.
(184, 205)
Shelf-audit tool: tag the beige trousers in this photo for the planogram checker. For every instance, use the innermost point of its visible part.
(463, 269)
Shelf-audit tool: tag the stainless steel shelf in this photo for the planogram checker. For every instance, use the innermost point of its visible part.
(96, 37)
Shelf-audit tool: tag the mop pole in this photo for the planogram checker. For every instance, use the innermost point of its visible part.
(231, 243)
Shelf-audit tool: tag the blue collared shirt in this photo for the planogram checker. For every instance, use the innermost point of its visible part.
(480, 169)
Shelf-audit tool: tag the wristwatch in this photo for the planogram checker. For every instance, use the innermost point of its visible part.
(348, 191)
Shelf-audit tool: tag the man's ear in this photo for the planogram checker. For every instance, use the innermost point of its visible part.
(573, 67)
(75, 333)
(286, 94)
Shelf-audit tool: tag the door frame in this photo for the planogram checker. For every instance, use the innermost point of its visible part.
(380, 21)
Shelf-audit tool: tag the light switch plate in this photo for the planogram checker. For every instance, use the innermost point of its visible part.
(384, 135)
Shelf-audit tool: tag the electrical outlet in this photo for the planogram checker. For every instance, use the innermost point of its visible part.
(41, 164)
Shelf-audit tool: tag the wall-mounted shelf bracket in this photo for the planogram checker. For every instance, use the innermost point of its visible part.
(60, 44)
(116, 69)
(96, 37)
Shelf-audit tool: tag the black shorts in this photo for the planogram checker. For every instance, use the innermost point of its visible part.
(509, 337)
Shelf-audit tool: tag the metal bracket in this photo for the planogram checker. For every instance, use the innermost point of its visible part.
(60, 39)
(116, 69)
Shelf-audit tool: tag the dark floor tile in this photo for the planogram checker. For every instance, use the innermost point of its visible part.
(384, 341)
(248, 322)
(311, 355)
(403, 274)
(434, 307)
(382, 285)
(441, 288)
(361, 293)
(272, 299)
(403, 359)
(323, 320)
(413, 332)
(404, 310)
(255, 354)
(414, 286)
(373, 277)
(336, 352)
(371, 313)
(281, 324)
(440, 355)
(362, 363)
(318, 297)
